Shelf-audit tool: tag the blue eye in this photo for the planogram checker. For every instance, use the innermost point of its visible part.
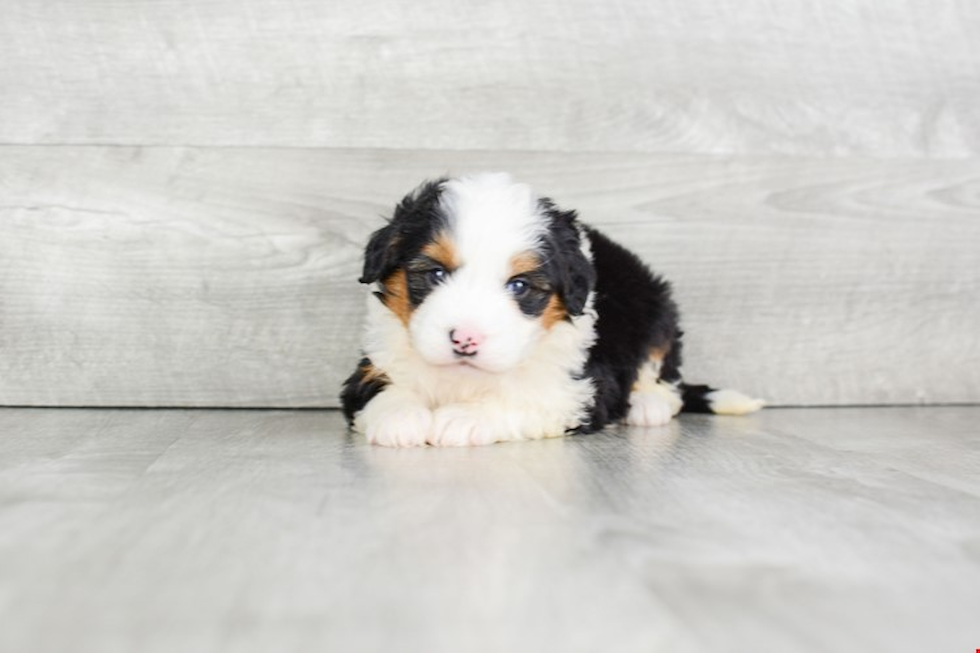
(517, 287)
(437, 276)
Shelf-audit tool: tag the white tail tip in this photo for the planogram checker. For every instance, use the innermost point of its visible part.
(732, 402)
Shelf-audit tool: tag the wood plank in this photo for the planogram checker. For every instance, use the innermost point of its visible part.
(241, 531)
(701, 76)
(226, 277)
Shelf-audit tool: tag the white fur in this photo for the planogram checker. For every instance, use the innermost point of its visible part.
(521, 384)
(649, 409)
(653, 401)
(491, 219)
(537, 398)
(733, 402)
(395, 418)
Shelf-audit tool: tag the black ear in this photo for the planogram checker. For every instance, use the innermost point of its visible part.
(580, 281)
(379, 257)
(416, 217)
(573, 272)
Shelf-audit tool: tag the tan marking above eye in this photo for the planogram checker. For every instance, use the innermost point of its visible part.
(442, 251)
(524, 263)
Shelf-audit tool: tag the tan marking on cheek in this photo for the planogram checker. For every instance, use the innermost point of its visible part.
(442, 251)
(395, 296)
(554, 312)
(524, 263)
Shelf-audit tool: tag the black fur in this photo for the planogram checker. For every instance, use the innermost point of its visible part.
(695, 398)
(359, 389)
(419, 272)
(635, 314)
(565, 264)
(416, 221)
(533, 302)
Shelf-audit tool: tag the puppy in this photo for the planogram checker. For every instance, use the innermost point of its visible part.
(498, 316)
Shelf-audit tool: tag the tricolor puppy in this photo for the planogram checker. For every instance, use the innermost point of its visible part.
(501, 317)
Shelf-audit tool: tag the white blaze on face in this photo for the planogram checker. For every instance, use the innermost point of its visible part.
(491, 220)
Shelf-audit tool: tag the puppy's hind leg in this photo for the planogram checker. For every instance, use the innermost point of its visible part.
(653, 401)
(653, 408)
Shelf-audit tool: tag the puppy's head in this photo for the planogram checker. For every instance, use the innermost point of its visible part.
(478, 269)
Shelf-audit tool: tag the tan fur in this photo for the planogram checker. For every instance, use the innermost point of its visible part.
(658, 354)
(371, 374)
(524, 263)
(554, 312)
(396, 296)
(653, 401)
(649, 373)
(442, 251)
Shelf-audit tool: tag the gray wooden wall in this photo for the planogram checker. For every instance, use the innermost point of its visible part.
(186, 186)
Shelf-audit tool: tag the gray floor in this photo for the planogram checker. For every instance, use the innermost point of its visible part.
(793, 530)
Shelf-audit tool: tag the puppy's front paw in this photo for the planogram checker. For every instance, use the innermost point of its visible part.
(649, 409)
(392, 423)
(461, 426)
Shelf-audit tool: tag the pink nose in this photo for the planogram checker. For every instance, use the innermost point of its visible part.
(465, 340)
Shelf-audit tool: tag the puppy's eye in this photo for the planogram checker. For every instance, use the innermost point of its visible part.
(517, 286)
(437, 276)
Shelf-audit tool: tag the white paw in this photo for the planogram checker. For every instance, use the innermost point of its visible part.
(395, 422)
(649, 409)
(461, 426)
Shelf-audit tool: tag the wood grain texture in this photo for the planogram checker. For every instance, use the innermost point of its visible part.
(800, 531)
(701, 76)
(226, 277)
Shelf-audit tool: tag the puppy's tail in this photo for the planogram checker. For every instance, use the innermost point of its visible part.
(705, 399)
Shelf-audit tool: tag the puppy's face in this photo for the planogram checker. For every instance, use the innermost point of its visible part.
(477, 270)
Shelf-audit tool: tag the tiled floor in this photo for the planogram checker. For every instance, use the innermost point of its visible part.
(793, 530)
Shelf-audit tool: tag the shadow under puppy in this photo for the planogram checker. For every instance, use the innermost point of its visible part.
(502, 317)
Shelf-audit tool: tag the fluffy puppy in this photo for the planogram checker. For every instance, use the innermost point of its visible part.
(498, 316)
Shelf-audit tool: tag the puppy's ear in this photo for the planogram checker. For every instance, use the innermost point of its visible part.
(379, 257)
(574, 273)
(416, 216)
(580, 281)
